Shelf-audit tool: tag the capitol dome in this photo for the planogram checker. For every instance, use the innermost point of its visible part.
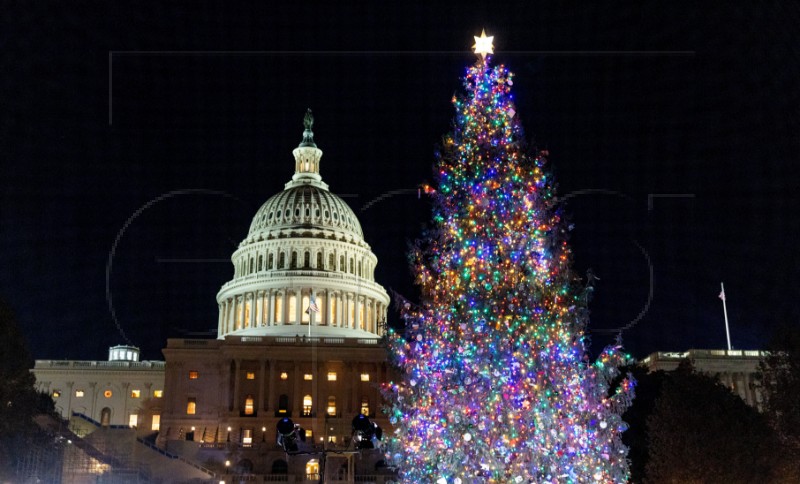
(304, 266)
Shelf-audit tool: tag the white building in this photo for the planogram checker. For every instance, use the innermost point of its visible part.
(122, 391)
(736, 369)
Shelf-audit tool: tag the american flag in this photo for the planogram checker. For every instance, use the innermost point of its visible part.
(312, 305)
(722, 295)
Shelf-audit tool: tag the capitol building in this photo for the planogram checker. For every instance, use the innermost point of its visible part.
(299, 337)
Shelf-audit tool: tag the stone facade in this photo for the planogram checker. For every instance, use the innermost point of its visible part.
(735, 368)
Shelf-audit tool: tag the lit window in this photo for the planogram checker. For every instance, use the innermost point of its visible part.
(133, 420)
(191, 406)
(332, 439)
(247, 436)
(308, 376)
(158, 393)
(56, 393)
(307, 406)
(136, 393)
(79, 393)
(312, 469)
(365, 405)
(248, 405)
(309, 433)
(107, 394)
(331, 376)
(156, 422)
(365, 377)
(284, 376)
(193, 375)
(331, 406)
(251, 375)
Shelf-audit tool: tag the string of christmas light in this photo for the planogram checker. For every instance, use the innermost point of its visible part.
(497, 385)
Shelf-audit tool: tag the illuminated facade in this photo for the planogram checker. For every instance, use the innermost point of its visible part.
(298, 336)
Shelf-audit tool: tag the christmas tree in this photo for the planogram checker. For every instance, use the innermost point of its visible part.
(496, 382)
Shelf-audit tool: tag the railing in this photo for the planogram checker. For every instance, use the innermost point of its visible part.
(668, 355)
(144, 365)
(276, 478)
(175, 457)
(96, 423)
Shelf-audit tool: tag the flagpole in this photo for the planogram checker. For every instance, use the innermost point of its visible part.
(725, 311)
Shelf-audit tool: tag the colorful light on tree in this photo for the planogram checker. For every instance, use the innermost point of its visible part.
(497, 385)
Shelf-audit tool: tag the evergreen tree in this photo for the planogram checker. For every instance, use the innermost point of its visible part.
(700, 432)
(19, 401)
(778, 379)
(497, 385)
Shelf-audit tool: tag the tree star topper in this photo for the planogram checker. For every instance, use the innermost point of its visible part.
(483, 44)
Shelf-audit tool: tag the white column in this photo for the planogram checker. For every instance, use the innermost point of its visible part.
(220, 329)
(327, 315)
(271, 308)
(252, 321)
(298, 298)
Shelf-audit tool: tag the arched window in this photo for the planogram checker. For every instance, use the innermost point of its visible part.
(251, 265)
(249, 406)
(270, 260)
(283, 404)
(306, 260)
(260, 263)
(352, 266)
(331, 262)
(359, 270)
(341, 264)
(307, 406)
(105, 417)
(319, 260)
(294, 261)
(282, 261)
(331, 410)
(365, 406)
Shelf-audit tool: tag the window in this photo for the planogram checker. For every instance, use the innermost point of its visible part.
(283, 404)
(56, 393)
(331, 376)
(319, 260)
(306, 260)
(193, 375)
(331, 262)
(284, 376)
(331, 406)
(136, 393)
(78, 393)
(281, 260)
(251, 375)
(332, 439)
(191, 406)
(312, 469)
(156, 425)
(158, 393)
(365, 405)
(247, 436)
(133, 420)
(294, 261)
(309, 433)
(307, 406)
(308, 376)
(365, 377)
(270, 261)
(248, 405)
(108, 394)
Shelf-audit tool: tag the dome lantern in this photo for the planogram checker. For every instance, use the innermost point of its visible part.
(306, 158)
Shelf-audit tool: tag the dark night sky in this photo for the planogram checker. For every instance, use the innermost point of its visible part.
(717, 123)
